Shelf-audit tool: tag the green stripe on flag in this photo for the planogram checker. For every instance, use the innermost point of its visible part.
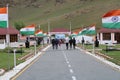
(91, 32)
(3, 24)
(111, 25)
(27, 32)
(40, 35)
(84, 32)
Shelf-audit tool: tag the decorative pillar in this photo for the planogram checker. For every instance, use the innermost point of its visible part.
(112, 37)
(7, 39)
(18, 37)
(101, 37)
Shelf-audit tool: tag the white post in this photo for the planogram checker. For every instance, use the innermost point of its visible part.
(35, 47)
(83, 45)
(14, 58)
(93, 48)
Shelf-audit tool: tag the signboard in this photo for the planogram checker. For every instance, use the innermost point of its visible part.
(60, 36)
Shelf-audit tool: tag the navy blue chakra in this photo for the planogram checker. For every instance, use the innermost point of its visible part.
(115, 19)
(27, 29)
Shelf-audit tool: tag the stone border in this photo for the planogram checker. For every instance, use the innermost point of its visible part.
(103, 59)
(2, 71)
(10, 74)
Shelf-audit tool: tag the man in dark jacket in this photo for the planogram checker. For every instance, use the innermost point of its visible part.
(74, 43)
(71, 42)
(56, 43)
(53, 43)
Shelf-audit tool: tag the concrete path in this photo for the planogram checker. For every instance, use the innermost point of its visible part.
(62, 64)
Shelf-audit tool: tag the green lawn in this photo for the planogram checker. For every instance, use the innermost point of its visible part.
(115, 55)
(7, 59)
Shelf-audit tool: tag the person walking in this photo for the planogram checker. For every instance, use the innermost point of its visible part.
(60, 42)
(71, 42)
(83, 41)
(67, 42)
(47, 40)
(74, 43)
(56, 43)
(53, 43)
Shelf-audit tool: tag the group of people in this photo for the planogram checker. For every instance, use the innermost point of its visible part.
(55, 42)
(70, 42)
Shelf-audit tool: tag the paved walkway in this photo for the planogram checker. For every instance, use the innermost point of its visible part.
(65, 64)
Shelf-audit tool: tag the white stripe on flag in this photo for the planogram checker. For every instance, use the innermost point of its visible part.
(92, 28)
(110, 19)
(3, 17)
(27, 29)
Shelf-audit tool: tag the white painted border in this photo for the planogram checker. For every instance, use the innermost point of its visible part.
(18, 68)
(102, 59)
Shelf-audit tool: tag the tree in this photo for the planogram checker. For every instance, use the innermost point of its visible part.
(19, 25)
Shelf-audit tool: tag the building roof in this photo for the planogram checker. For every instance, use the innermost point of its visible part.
(10, 30)
(107, 30)
(60, 30)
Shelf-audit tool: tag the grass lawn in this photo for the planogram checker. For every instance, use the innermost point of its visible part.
(7, 59)
(113, 54)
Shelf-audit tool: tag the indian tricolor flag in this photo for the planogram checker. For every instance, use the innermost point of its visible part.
(88, 31)
(3, 17)
(29, 30)
(45, 34)
(39, 33)
(91, 30)
(80, 31)
(83, 31)
(74, 34)
(111, 19)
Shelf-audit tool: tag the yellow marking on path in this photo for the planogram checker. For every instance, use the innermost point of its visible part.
(24, 69)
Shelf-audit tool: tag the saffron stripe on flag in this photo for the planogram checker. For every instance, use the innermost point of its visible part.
(3, 10)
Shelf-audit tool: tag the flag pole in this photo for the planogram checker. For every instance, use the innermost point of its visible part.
(48, 27)
(8, 35)
(8, 38)
(35, 43)
(39, 26)
(70, 27)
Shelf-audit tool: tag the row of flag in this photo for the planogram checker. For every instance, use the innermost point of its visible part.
(30, 30)
(89, 30)
(110, 20)
(85, 31)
